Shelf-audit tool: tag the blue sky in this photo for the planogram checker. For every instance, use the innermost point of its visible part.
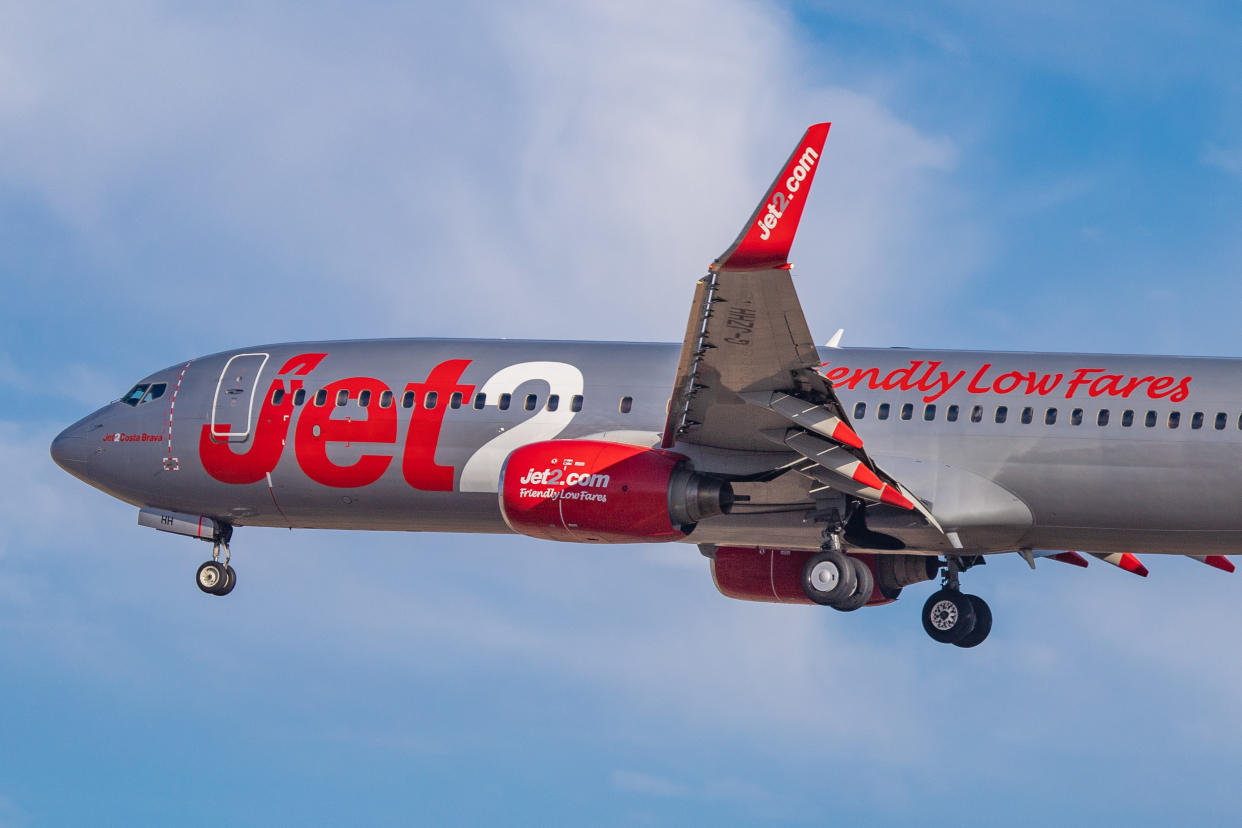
(178, 180)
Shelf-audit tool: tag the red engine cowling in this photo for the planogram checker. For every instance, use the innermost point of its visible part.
(590, 491)
(775, 575)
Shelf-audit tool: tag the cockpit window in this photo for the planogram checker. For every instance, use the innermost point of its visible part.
(135, 394)
(144, 392)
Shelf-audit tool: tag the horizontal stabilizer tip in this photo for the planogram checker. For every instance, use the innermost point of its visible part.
(1218, 561)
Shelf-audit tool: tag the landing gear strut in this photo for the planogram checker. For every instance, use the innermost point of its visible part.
(835, 579)
(214, 577)
(952, 617)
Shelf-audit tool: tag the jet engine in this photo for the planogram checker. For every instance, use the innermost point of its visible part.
(591, 491)
(775, 575)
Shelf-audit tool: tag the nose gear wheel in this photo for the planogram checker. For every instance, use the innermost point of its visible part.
(215, 577)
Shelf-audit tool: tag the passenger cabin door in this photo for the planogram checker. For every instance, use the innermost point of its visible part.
(232, 410)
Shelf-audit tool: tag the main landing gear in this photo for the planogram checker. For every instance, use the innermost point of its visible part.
(214, 577)
(952, 617)
(846, 583)
(837, 580)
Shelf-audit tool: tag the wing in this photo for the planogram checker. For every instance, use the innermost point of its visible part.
(748, 375)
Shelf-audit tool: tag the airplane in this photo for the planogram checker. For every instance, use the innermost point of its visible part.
(832, 476)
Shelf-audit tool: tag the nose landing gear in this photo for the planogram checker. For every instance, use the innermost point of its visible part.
(953, 617)
(214, 577)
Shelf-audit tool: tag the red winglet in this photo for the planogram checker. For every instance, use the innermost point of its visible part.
(1072, 558)
(765, 240)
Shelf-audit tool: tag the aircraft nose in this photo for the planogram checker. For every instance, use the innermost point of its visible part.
(70, 451)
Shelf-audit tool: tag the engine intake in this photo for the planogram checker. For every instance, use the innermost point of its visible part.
(591, 491)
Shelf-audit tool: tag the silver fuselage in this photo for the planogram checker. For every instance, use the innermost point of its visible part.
(1057, 481)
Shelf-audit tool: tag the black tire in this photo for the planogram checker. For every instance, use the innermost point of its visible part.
(828, 578)
(864, 585)
(228, 585)
(209, 577)
(983, 623)
(948, 616)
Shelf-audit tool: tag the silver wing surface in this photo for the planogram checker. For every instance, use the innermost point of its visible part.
(748, 378)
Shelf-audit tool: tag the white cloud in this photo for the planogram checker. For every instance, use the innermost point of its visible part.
(75, 382)
(559, 171)
(1229, 160)
(10, 815)
(646, 784)
(573, 157)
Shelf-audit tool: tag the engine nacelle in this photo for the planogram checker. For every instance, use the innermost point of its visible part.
(775, 575)
(590, 491)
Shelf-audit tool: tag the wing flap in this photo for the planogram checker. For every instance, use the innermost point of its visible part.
(820, 419)
(836, 466)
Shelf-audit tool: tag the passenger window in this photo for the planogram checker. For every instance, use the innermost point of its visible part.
(860, 410)
(431, 400)
(1002, 413)
(504, 402)
(134, 395)
(1028, 414)
(554, 402)
(907, 411)
(1127, 418)
(976, 414)
(299, 396)
(455, 400)
(881, 413)
(1150, 420)
(531, 402)
(278, 396)
(364, 399)
(407, 399)
(321, 397)
(575, 404)
(950, 414)
(155, 392)
(342, 397)
(1222, 420)
(929, 413)
(385, 400)
(1050, 417)
(480, 400)
(1076, 417)
(1101, 419)
(1196, 420)
(1175, 419)
(627, 403)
